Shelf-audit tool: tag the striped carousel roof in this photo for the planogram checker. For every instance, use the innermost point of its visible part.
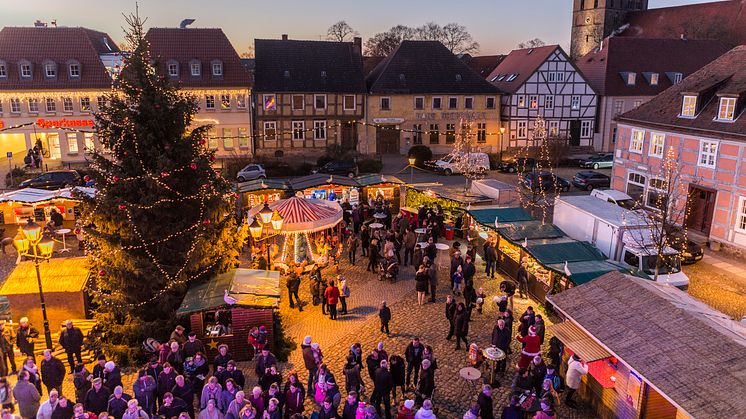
(304, 215)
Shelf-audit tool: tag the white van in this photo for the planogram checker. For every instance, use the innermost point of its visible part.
(615, 197)
(448, 165)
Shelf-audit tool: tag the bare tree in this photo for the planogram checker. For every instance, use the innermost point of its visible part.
(384, 43)
(455, 37)
(249, 53)
(340, 32)
(458, 40)
(430, 31)
(531, 43)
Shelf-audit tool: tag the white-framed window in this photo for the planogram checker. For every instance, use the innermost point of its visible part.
(319, 130)
(241, 101)
(50, 70)
(26, 71)
(51, 105)
(636, 141)
(72, 142)
(636, 104)
(481, 132)
(533, 102)
(490, 102)
(88, 142)
(654, 79)
(575, 103)
(101, 102)
(173, 70)
(553, 128)
(349, 102)
(217, 69)
(298, 102)
(67, 104)
(225, 101)
(319, 102)
(450, 133)
(195, 69)
(15, 105)
(657, 144)
(631, 79)
(741, 216)
(212, 139)
(521, 101)
(419, 102)
(74, 69)
(55, 151)
(548, 102)
(434, 134)
(522, 129)
(727, 108)
(618, 107)
(468, 103)
(386, 103)
(269, 102)
(85, 104)
(437, 103)
(270, 130)
(227, 138)
(677, 77)
(452, 102)
(656, 195)
(417, 134)
(299, 130)
(3, 70)
(586, 129)
(33, 105)
(689, 106)
(243, 137)
(210, 102)
(708, 153)
(636, 185)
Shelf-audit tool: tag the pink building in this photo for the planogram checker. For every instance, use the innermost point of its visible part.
(701, 122)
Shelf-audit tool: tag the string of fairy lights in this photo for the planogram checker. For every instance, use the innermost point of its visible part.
(538, 196)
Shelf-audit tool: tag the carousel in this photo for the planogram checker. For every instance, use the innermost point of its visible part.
(296, 231)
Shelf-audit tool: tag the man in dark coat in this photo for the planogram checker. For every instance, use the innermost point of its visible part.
(26, 337)
(97, 398)
(461, 328)
(263, 362)
(383, 382)
(432, 271)
(184, 391)
(154, 369)
(430, 251)
(165, 381)
(490, 259)
(234, 373)
(426, 385)
(468, 271)
(528, 318)
(450, 315)
(52, 372)
(508, 287)
(413, 355)
(145, 392)
(98, 369)
(6, 347)
(309, 361)
(486, 410)
(112, 375)
(540, 329)
(172, 406)
(71, 339)
(501, 336)
(118, 403)
(192, 346)
(522, 277)
(293, 285)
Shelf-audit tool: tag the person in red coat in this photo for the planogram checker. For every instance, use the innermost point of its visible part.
(332, 298)
(531, 347)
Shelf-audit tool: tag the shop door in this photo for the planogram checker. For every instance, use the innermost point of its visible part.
(701, 204)
(349, 136)
(575, 133)
(387, 139)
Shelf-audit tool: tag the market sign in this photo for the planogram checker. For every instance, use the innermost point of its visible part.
(56, 123)
(256, 199)
(472, 116)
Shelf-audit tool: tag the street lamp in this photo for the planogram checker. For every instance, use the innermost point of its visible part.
(412, 160)
(502, 132)
(30, 243)
(265, 214)
(273, 224)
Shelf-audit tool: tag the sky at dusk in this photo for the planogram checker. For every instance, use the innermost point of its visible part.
(498, 25)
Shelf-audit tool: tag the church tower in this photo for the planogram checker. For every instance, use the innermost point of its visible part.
(594, 20)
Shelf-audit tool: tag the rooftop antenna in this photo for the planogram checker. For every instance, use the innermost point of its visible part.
(53, 23)
(186, 22)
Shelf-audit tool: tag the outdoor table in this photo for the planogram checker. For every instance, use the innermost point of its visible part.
(379, 216)
(375, 226)
(471, 376)
(443, 254)
(420, 232)
(493, 356)
(63, 231)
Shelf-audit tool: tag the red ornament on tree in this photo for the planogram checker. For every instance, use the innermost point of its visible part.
(87, 178)
(193, 166)
(202, 142)
(164, 174)
(122, 206)
(102, 273)
(115, 179)
(205, 221)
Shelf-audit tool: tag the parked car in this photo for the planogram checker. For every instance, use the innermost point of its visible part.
(603, 161)
(522, 164)
(448, 165)
(55, 179)
(689, 251)
(545, 181)
(339, 167)
(616, 197)
(251, 172)
(589, 180)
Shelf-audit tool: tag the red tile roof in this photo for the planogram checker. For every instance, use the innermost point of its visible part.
(521, 62)
(723, 20)
(726, 74)
(59, 44)
(602, 68)
(203, 44)
(483, 64)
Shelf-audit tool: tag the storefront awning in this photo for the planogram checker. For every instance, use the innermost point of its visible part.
(578, 341)
(487, 216)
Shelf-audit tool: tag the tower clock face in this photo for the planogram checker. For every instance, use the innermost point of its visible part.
(588, 19)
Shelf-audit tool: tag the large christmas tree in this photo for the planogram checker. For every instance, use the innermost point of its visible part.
(162, 217)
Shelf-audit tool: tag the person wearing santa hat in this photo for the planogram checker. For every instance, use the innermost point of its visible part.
(531, 347)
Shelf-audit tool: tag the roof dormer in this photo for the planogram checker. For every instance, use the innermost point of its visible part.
(25, 69)
(49, 69)
(675, 76)
(216, 68)
(689, 106)
(653, 79)
(172, 69)
(3, 70)
(74, 69)
(195, 68)
(629, 77)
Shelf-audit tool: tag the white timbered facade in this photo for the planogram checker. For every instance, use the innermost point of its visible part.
(543, 82)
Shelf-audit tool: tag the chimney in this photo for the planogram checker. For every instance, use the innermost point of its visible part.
(358, 41)
(284, 37)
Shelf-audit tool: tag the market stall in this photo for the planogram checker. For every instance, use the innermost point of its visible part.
(451, 199)
(544, 254)
(37, 204)
(224, 309)
(326, 187)
(387, 187)
(259, 191)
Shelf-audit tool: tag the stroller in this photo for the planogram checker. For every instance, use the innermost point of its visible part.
(388, 269)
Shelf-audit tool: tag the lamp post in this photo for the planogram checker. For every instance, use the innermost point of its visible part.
(268, 220)
(502, 132)
(412, 160)
(30, 243)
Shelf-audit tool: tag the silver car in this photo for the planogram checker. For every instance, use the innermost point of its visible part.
(251, 172)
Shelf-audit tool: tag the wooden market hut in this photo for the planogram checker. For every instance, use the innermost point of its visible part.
(652, 350)
(257, 191)
(18, 205)
(63, 280)
(224, 309)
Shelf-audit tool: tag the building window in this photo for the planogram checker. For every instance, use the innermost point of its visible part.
(173, 70)
(553, 128)
(319, 102)
(490, 104)
(727, 108)
(708, 152)
(613, 135)
(210, 102)
(72, 142)
(33, 105)
(689, 106)
(319, 130)
(630, 79)
(469, 103)
(55, 151)
(270, 130)
(585, 128)
(635, 185)
(85, 104)
(551, 77)
(3, 70)
(270, 104)
(452, 102)
(51, 105)
(741, 219)
(437, 103)
(654, 79)
(298, 102)
(241, 101)
(548, 102)
(299, 130)
(212, 139)
(386, 103)
(656, 194)
(217, 68)
(521, 101)
(74, 70)
(657, 142)
(635, 143)
(618, 107)
(101, 102)
(434, 134)
(419, 102)
(196, 69)
(15, 105)
(90, 146)
(481, 132)
(450, 133)
(227, 138)
(50, 70)
(349, 102)
(67, 104)
(417, 133)
(243, 137)
(560, 77)
(533, 102)
(575, 103)
(677, 77)
(522, 129)
(636, 104)
(225, 101)
(26, 71)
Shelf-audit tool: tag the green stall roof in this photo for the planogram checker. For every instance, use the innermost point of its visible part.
(587, 270)
(251, 288)
(487, 216)
(530, 230)
(262, 184)
(574, 251)
(370, 179)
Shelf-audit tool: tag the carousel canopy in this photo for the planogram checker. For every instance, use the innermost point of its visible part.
(33, 195)
(302, 215)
